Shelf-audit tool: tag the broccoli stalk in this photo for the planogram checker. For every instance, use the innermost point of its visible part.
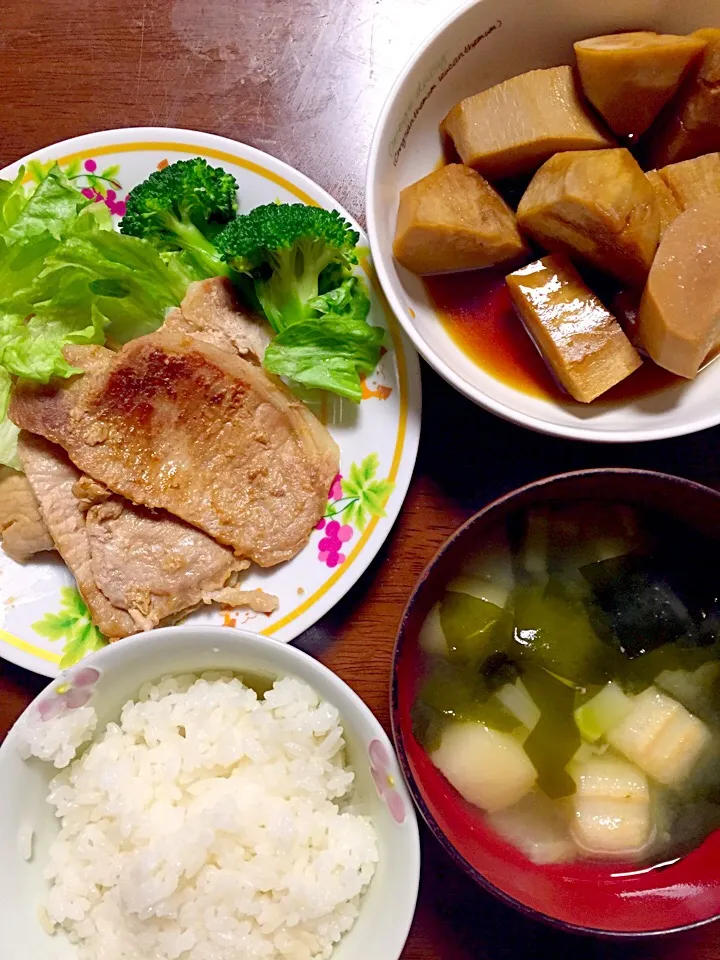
(189, 238)
(285, 248)
(293, 282)
(183, 207)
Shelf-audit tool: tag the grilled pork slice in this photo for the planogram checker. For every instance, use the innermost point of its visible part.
(158, 567)
(174, 423)
(134, 568)
(22, 530)
(211, 312)
(52, 477)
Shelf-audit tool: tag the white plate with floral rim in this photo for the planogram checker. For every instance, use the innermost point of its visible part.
(44, 624)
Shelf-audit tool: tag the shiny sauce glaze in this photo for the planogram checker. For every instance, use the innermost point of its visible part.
(476, 310)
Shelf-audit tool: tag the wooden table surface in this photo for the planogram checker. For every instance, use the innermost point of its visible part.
(305, 80)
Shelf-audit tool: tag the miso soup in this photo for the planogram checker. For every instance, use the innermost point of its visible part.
(571, 684)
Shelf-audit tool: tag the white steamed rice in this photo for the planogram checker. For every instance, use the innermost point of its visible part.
(56, 741)
(207, 824)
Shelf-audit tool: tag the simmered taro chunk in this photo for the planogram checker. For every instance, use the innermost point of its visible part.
(596, 205)
(515, 126)
(579, 338)
(629, 77)
(452, 219)
(690, 124)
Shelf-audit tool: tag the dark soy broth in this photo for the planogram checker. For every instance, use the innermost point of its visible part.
(476, 310)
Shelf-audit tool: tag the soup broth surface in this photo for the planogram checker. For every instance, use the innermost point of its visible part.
(571, 683)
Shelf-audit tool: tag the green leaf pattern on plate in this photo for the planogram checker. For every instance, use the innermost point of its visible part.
(72, 624)
(366, 496)
(37, 170)
(99, 182)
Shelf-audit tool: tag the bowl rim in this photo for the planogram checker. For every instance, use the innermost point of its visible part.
(398, 735)
(292, 654)
(477, 395)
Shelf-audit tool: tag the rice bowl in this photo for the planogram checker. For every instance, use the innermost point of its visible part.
(205, 819)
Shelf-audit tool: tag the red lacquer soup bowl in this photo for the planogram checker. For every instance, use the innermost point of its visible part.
(588, 896)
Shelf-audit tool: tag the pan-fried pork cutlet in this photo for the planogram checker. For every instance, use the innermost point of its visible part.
(22, 530)
(52, 477)
(211, 312)
(134, 568)
(175, 423)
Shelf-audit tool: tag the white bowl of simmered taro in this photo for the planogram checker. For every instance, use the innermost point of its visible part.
(556, 700)
(543, 207)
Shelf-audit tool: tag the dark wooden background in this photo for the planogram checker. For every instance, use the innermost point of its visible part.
(305, 80)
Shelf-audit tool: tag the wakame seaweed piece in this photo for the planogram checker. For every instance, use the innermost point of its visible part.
(687, 560)
(555, 739)
(474, 629)
(456, 693)
(552, 629)
(427, 725)
(498, 670)
(642, 608)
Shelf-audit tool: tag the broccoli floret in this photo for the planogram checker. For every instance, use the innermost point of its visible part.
(183, 207)
(284, 248)
(298, 261)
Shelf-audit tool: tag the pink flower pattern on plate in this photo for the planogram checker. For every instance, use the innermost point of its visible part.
(385, 781)
(71, 693)
(330, 546)
(109, 197)
(336, 492)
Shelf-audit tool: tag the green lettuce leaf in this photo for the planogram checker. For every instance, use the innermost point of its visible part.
(12, 199)
(8, 431)
(125, 278)
(67, 277)
(52, 207)
(332, 350)
(183, 269)
(20, 264)
(347, 298)
(94, 284)
(33, 348)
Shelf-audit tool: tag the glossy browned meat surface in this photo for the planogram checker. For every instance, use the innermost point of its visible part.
(175, 423)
